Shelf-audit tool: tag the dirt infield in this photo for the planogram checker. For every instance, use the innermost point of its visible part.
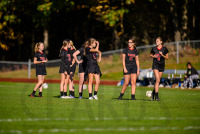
(103, 82)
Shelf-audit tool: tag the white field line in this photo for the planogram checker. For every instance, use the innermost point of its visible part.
(104, 118)
(72, 130)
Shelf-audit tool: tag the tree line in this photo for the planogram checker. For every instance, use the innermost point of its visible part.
(111, 22)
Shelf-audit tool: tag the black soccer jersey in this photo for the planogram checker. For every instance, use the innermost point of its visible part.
(66, 58)
(41, 56)
(159, 61)
(130, 56)
(91, 56)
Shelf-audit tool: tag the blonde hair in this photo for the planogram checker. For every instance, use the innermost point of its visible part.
(91, 41)
(72, 44)
(86, 44)
(65, 43)
(37, 46)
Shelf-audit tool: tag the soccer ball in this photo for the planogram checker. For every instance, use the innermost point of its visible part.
(148, 93)
(45, 85)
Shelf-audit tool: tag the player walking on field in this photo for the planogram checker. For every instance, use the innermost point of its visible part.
(131, 67)
(93, 69)
(82, 66)
(39, 59)
(64, 71)
(159, 53)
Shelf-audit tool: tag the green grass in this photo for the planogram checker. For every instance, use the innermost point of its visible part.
(177, 112)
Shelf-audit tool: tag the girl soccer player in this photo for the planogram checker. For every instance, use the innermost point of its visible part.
(131, 67)
(39, 59)
(93, 69)
(159, 53)
(82, 66)
(72, 70)
(64, 71)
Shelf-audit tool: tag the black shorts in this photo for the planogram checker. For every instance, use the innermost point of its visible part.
(131, 70)
(81, 68)
(64, 69)
(159, 68)
(73, 68)
(93, 68)
(41, 71)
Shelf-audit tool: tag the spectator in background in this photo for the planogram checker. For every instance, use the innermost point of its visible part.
(191, 74)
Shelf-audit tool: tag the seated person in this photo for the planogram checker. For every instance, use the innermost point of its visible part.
(191, 74)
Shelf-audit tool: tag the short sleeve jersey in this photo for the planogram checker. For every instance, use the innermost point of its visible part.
(130, 55)
(159, 60)
(91, 56)
(81, 50)
(65, 55)
(72, 52)
(41, 56)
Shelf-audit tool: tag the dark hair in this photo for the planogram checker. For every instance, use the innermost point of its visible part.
(160, 38)
(189, 63)
(133, 40)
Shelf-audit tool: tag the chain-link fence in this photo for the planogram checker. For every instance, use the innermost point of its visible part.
(187, 49)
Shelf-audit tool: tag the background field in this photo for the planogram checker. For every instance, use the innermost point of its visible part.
(177, 112)
(111, 65)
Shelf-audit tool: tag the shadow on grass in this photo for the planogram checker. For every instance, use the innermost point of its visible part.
(131, 99)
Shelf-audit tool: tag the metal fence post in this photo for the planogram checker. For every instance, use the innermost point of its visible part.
(29, 68)
(177, 48)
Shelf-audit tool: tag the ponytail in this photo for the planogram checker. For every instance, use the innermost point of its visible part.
(65, 43)
(37, 46)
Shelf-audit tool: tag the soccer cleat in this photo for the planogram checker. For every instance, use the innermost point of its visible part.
(61, 97)
(80, 97)
(157, 99)
(95, 97)
(133, 98)
(32, 95)
(90, 98)
(119, 98)
(71, 96)
(40, 96)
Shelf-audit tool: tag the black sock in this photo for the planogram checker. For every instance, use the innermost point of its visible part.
(121, 94)
(33, 93)
(80, 94)
(133, 96)
(40, 93)
(65, 93)
(72, 93)
(154, 91)
(95, 92)
(90, 94)
(156, 95)
(61, 93)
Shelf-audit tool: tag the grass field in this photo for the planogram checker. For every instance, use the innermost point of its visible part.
(177, 112)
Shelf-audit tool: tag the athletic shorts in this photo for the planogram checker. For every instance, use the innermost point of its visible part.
(92, 68)
(82, 68)
(64, 69)
(159, 68)
(73, 68)
(41, 71)
(131, 70)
